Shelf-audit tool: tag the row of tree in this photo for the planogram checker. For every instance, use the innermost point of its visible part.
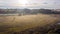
(28, 11)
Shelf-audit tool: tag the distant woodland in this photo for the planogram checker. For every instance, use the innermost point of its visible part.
(28, 11)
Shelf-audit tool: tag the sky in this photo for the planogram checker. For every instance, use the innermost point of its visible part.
(50, 4)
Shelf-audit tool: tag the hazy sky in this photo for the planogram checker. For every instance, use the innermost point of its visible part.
(30, 4)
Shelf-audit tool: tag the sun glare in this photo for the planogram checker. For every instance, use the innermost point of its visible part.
(23, 2)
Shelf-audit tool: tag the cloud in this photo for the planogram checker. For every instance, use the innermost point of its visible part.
(32, 3)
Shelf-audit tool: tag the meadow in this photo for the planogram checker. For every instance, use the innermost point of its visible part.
(16, 24)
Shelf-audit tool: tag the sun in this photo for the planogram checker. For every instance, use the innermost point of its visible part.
(23, 2)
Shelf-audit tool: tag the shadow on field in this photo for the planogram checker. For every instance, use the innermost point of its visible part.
(47, 29)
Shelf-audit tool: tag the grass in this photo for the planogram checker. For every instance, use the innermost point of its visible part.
(11, 24)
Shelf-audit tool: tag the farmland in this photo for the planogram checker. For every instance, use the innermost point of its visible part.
(26, 21)
(12, 24)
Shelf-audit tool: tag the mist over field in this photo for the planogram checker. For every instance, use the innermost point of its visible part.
(29, 21)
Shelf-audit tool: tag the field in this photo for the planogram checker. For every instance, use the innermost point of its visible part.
(13, 24)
